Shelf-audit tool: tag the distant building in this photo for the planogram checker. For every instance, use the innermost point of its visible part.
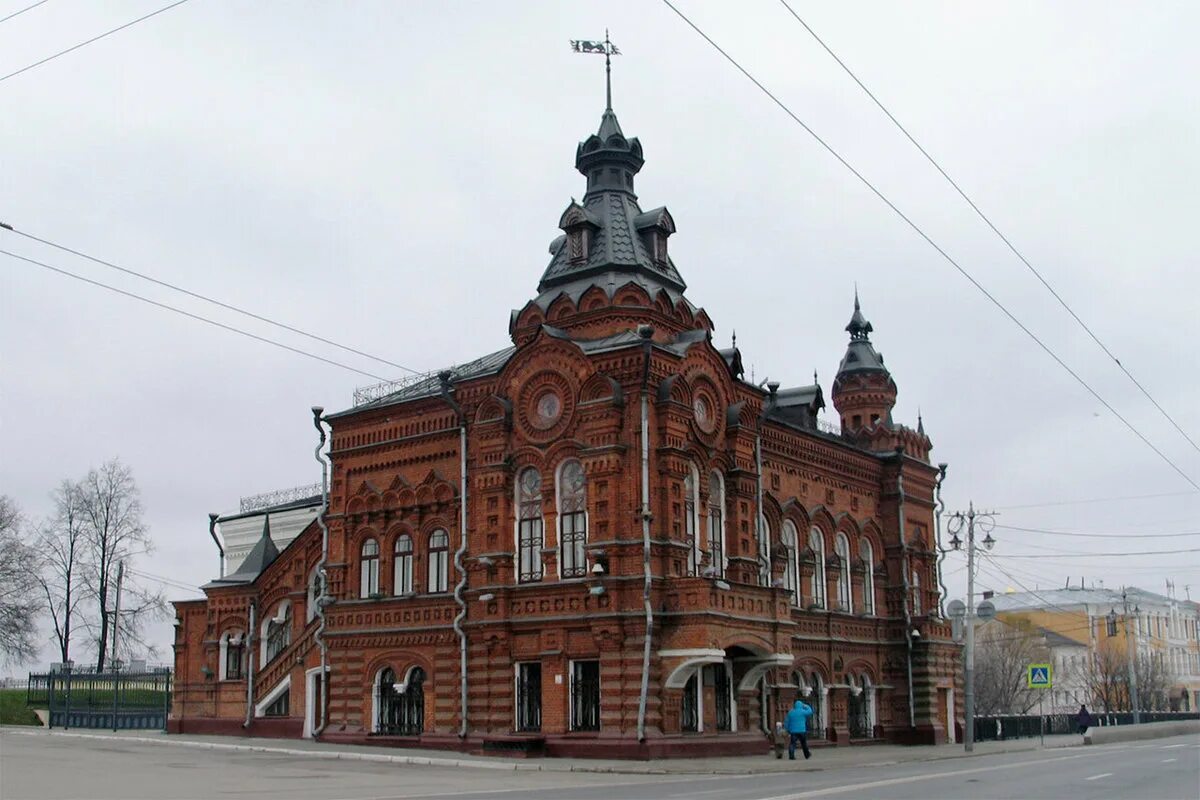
(599, 540)
(1165, 631)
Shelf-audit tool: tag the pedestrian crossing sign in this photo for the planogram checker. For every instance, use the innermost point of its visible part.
(1040, 676)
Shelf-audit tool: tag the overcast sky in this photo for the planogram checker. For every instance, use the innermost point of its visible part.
(390, 174)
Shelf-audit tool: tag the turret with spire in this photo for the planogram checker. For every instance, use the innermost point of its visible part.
(863, 391)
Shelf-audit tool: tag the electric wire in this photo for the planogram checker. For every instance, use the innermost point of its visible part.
(197, 317)
(161, 580)
(1099, 535)
(207, 299)
(23, 10)
(990, 224)
(920, 232)
(93, 39)
(1099, 500)
(1102, 555)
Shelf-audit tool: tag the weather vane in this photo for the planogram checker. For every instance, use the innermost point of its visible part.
(608, 50)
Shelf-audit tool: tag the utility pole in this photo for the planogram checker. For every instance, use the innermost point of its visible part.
(955, 524)
(117, 615)
(1130, 663)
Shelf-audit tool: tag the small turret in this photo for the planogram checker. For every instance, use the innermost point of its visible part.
(863, 391)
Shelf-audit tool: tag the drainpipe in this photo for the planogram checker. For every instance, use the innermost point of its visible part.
(904, 568)
(940, 506)
(764, 543)
(323, 599)
(444, 377)
(212, 531)
(250, 661)
(646, 332)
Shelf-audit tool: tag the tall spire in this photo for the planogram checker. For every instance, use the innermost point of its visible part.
(859, 327)
(607, 72)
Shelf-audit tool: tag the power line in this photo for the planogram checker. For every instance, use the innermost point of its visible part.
(93, 39)
(1100, 535)
(208, 299)
(23, 10)
(991, 225)
(1099, 500)
(920, 232)
(1103, 555)
(198, 317)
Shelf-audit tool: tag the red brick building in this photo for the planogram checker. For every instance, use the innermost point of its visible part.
(599, 540)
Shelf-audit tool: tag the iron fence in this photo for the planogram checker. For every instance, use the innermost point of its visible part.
(85, 698)
(1025, 726)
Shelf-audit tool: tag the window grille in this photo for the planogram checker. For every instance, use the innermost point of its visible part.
(279, 635)
(572, 507)
(585, 696)
(722, 696)
(529, 696)
(529, 532)
(401, 714)
(689, 710)
(234, 653)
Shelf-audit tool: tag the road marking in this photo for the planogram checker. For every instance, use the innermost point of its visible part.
(937, 775)
(1173, 746)
(1098, 777)
(1167, 760)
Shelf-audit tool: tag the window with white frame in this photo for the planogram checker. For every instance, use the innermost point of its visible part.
(691, 518)
(816, 543)
(764, 551)
(791, 572)
(868, 556)
(277, 632)
(313, 597)
(233, 655)
(841, 546)
(402, 580)
(572, 520)
(439, 561)
(369, 569)
(716, 523)
(529, 525)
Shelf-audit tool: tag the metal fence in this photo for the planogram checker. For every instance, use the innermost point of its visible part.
(1030, 725)
(122, 700)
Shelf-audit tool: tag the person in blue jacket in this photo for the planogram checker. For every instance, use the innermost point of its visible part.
(797, 728)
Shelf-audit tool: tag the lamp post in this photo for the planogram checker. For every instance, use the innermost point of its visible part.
(955, 524)
(1130, 645)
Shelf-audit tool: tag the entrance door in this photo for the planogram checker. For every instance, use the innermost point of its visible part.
(529, 696)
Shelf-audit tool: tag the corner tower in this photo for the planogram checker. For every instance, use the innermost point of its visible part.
(863, 391)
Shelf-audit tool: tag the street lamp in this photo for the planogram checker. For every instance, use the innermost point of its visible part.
(984, 522)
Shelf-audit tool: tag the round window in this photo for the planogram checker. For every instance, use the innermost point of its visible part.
(548, 408)
(702, 409)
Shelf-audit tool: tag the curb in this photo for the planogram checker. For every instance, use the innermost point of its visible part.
(510, 766)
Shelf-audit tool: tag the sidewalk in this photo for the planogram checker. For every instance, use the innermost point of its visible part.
(824, 758)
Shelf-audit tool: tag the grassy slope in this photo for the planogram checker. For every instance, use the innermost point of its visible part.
(13, 710)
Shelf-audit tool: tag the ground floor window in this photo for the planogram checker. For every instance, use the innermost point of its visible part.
(529, 697)
(279, 706)
(722, 696)
(585, 695)
(401, 708)
(689, 710)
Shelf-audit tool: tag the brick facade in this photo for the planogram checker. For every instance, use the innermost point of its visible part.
(612, 372)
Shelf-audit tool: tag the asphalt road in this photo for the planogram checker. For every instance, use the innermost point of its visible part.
(50, 768)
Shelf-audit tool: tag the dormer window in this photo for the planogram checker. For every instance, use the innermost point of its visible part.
(660, 247)
(577, 242)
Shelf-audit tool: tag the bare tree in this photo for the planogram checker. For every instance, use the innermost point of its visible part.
(1155, 679)
(1105, 676)
(20, 603)
(61, 544)
(113, 531)
(1003, 651)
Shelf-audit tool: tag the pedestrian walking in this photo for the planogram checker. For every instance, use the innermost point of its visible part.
(1084, 719)
(797, 728)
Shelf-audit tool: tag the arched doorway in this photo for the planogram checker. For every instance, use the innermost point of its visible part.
(401, 706)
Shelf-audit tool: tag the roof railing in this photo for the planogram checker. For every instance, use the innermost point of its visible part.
(279, 497)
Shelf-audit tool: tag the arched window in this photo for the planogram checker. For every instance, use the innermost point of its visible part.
(400, 708)
(716, 523)
(764, 551)
(277, 632)
(369, 569)
(233, 655)
(861, 708)
(529, 525)
(816, 542)
(791, 572)
(868, 556)
(439, 561)
(402, 581)
(313, 597)
(691, 518)
(810, 690)
(572, 520)
(916, 593)
(841, 546)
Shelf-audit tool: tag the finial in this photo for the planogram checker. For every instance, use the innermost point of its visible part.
(856, 308)
(607, 72)
(735, 338)
(815, 381)
(920, 422)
